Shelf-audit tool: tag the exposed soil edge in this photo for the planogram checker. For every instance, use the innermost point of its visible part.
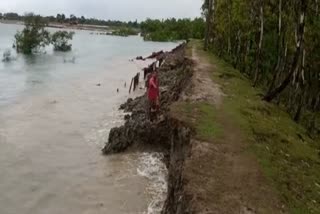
(178, 201)
(172, 136)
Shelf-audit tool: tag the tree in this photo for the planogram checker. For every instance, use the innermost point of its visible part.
(11, 16)
(33, 36)
(73, 19)
(51, 18)
(60, 40)
(208, 6)
(198, 27)
(258, 59)
(63, 18)
(172, 29)
(82, 20)
(298, 53)
(58, 18)
(278, 47)
(276, 44)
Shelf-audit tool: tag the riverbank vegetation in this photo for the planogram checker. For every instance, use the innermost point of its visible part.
(151, 29)
(34, 36)
(172, 29)
(288, 156)
(72, 20)
(276, 45)
(124, 31)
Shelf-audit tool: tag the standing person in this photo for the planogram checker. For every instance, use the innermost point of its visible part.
(153, 95)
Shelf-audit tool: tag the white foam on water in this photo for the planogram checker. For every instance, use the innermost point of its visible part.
(152, 167)
(99, 135)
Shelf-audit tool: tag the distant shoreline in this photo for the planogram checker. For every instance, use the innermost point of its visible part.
(65, 26)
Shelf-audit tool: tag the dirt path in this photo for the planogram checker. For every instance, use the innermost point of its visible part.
(204, 89)
(224, 176)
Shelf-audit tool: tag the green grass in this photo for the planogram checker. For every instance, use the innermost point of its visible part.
(289, 158)
(201, 116)
(188, 51)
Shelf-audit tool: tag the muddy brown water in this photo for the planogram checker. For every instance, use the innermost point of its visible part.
(54, 119)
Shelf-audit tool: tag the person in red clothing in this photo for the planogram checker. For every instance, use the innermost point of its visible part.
(153, 95)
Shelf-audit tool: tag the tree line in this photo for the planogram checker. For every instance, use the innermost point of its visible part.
(276, 44)
(172, 29)
(151, 29)
(72, 19)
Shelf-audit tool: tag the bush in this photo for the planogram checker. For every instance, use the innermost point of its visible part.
(60, 40)
(125, 32)
(6, 56)
(33, 36)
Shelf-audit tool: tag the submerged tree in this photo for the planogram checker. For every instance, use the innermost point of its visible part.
(60, 40)
(6, 56)
(33, 36)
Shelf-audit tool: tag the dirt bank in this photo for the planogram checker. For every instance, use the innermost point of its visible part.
(210, 168)
(138, 131)
(168, 134)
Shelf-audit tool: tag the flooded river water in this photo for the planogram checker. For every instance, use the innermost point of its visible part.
(54, 120)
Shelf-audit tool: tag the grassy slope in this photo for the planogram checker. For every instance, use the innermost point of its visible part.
(201, 116)
(289, 158)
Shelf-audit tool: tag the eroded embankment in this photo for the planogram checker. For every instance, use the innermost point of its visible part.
(168, 134)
